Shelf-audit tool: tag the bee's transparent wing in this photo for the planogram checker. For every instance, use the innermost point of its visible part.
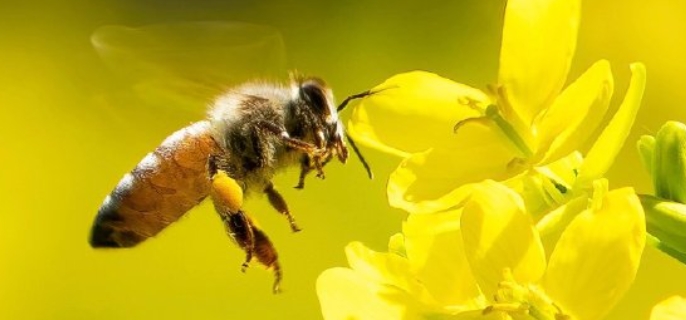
(188, 64)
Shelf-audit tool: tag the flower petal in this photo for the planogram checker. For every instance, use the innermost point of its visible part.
(434, 248)
(467, 315)
(396, 245)
(603, 152)
(413, 111)
(539, 39)
(499, 234)
(384, 268)
(673, 308)
(555, 222)
(433, 181)
(345, 294)
(597, 256)
(575, 114)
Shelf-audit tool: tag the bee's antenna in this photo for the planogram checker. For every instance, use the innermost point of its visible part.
(359, 156)
(353, 97)
(347, 136)
(360, 95)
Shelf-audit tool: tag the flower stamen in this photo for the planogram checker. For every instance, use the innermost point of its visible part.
(513, 299)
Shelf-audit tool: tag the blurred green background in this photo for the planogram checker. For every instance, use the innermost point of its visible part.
(69, 131)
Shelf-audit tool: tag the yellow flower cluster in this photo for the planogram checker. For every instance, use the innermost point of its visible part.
(509, 218)
(487, 260)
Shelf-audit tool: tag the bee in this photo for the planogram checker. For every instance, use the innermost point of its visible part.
(251, 132)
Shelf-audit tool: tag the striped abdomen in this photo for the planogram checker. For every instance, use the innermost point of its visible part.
(163, 186)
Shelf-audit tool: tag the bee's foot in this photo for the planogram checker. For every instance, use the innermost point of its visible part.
(276, 288)
(319, 153)
(244, 266)
(294, 227)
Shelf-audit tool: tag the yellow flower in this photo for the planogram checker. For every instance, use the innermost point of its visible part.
(486, 261)
(526, 121)
(673, 308)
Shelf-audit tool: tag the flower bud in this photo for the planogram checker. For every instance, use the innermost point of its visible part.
(646, 150)
(666, 221)
(669, 162)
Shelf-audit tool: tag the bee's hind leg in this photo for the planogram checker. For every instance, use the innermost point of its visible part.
(227, 197)
(241, 231)
(254, 242)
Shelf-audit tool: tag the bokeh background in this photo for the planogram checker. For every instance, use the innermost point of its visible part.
(70, 128)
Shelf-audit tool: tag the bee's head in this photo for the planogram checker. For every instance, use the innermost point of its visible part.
(327, 127)
(322, 121)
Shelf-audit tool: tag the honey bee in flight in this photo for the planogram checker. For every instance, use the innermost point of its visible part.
(251, 132)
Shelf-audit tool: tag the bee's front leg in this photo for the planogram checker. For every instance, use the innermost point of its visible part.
(289, 141)
(227, 196)
(318, 155)
(309, 163)
(305, 169)
(319, 161)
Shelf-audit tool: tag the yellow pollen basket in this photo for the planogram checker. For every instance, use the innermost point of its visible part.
(227, 191)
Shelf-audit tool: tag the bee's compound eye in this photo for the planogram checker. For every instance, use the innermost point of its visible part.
(318, 97)
(313, 94)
